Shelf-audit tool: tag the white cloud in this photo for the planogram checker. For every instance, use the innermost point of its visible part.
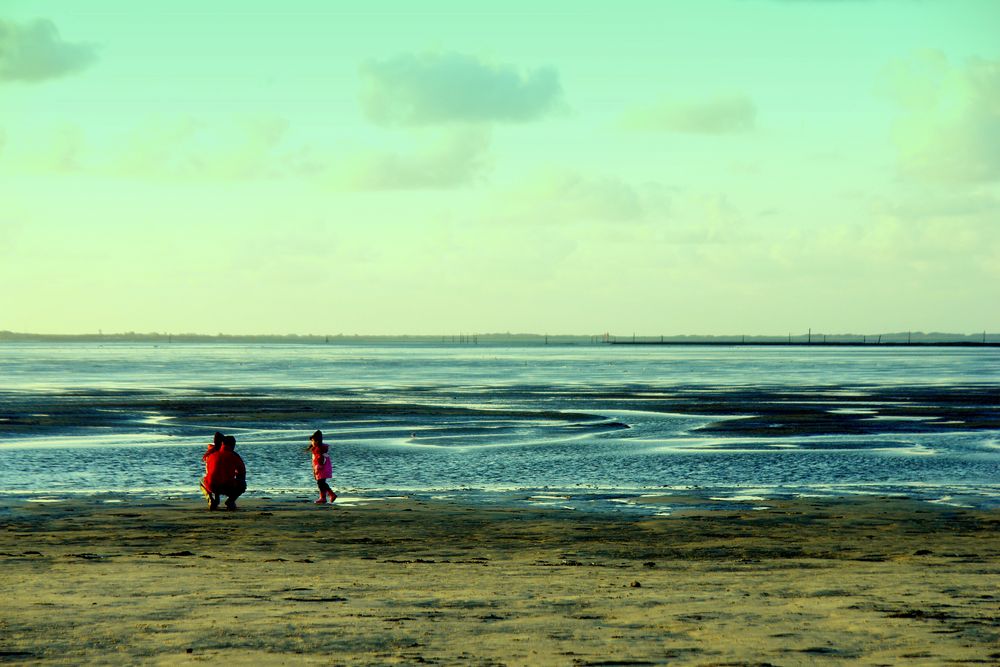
(942, 206)
(560, 196)
(642, 213)
(706, 218)
(723, 114)
(246, 148)
(432, 88)
(34, 52)
(955, 232)
(250, 148)
(948, 128)
(456, 158)
(54, 149)
(60, 152)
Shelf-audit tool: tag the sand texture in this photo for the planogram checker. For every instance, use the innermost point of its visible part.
(855, 582)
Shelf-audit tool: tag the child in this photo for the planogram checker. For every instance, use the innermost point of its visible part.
(227, 472)
(322, 467)
(213, 447)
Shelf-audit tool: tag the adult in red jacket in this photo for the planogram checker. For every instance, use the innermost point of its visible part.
(225, 474)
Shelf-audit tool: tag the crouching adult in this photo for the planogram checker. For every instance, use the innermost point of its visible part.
(225, 475)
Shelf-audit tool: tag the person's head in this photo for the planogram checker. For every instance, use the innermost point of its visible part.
(316, 438)
(229, 442)
(217, 440)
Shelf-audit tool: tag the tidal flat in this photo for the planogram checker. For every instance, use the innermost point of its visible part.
(733, 411)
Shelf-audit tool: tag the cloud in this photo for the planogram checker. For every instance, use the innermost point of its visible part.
(253, 151)
(434, 88)
(454, 159)
(559, 196)
(816, 2)
(52, 149)
(724, 114)
(156, 148)
(948, 127)
(254, 148)
(35, 52)
(940, 206)
(647, 212)
(60, 151)
(245, 148)
(708, 218)
(954, 234)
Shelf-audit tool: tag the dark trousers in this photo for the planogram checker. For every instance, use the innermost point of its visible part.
(323, 486)
(232, 490)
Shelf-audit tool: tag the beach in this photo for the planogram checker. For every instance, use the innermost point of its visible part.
(861, 580)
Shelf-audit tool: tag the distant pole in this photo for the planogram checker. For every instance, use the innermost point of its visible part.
(633, 336)
(908, 337)
(810, 339)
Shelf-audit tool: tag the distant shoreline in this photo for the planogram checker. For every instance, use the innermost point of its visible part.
(895, 339)
(810, 344)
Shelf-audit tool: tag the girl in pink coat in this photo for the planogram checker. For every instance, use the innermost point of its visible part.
(322, 467)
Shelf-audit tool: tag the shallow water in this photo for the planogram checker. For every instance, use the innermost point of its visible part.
(596, 423)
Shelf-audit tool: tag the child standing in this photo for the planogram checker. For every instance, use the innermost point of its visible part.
(322, 467)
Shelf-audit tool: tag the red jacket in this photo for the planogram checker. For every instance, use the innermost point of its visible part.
(322, 465)
(222, 467)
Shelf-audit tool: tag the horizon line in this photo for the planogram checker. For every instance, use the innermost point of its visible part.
(809, 335)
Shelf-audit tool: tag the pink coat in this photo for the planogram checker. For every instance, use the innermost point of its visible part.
(322, 464)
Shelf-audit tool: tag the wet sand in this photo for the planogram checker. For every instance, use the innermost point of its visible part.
(743, 411)
(869, 581)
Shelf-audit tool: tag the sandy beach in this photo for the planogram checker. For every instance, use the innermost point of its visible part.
(871, 581)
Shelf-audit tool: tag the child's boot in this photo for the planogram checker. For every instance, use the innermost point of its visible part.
(322, 499)
(333, 496)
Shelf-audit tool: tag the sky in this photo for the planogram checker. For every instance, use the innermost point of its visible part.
(665, 168)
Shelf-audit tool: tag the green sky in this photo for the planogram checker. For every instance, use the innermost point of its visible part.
(681, 167)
